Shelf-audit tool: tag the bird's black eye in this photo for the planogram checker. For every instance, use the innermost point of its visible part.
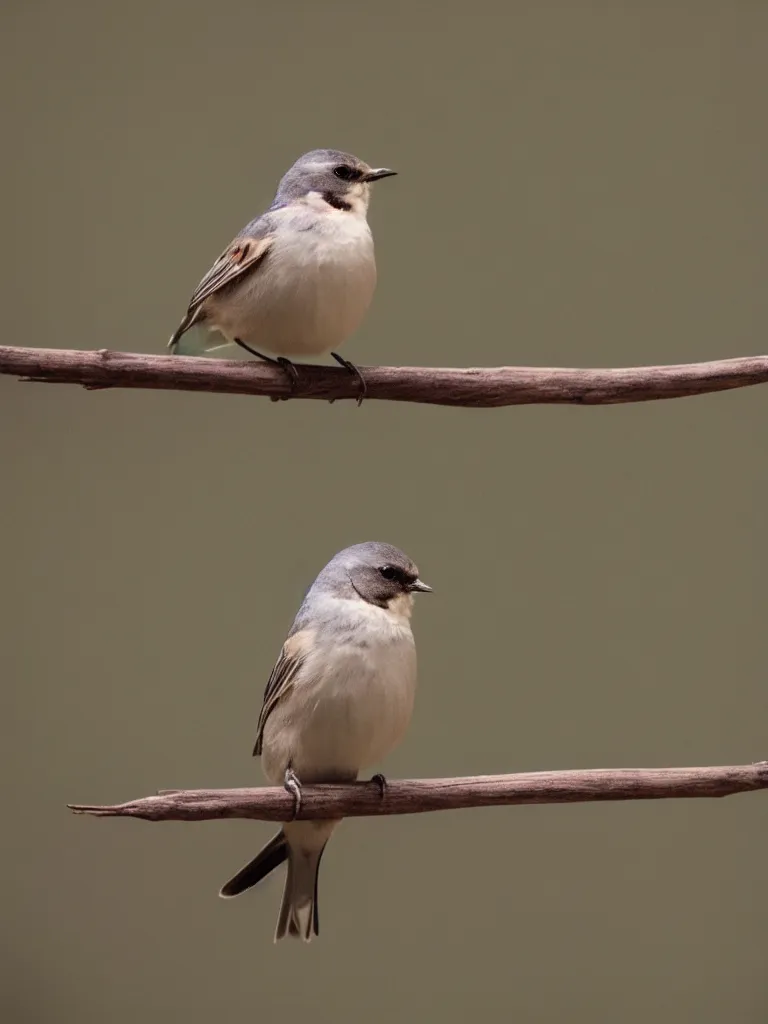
(346, 173)
(389, 572)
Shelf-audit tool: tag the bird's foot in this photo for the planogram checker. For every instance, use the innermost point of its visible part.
(292, 372)
(363, 390)
(293, 785)
(381, 782)
(285, 364)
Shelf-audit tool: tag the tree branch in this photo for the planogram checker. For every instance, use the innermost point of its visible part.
(414, 796)
(480, 387)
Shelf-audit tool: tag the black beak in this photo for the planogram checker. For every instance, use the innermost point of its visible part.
(420, 587)
(378, 173)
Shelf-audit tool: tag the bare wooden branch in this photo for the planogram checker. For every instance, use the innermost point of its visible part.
(415, 796)
(479, 387)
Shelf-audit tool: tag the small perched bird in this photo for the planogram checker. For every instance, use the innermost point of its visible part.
(297, 280)
(339, 698)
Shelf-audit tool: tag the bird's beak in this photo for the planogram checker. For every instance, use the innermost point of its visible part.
(377, 173)
(422, 588)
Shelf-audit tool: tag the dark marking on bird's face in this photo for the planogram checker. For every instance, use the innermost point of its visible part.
(336, 201)
(378, 573)
(340, 179)
(378, 581)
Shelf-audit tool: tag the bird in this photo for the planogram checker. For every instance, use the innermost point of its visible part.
(297, 280)
(339, 698)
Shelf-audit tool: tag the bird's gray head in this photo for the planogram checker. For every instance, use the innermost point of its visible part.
(378, 573)
(331, 178)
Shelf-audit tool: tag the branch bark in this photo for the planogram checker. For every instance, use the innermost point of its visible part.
(479, 387)
(415, 796)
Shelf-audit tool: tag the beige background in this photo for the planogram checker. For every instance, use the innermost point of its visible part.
(581, 184)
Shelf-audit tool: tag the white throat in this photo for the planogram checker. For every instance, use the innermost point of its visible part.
(401, 607)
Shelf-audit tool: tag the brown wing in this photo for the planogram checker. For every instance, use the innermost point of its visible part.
(234, 261)
(292, 657)
(243, 254)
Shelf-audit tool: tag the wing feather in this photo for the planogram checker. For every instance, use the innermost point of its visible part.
(242, 255)
(281, 679)
(234, 261)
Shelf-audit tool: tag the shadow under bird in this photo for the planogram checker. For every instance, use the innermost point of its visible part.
(339, 698)
(298, 280)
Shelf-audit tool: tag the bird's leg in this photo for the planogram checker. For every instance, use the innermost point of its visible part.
(381, 782)
(293, 785)
(355, 373)
(281, 361)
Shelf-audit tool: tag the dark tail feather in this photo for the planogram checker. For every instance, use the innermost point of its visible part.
(315, 913)
(271, 857)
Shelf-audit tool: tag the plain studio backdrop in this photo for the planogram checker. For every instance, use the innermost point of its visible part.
(581, 184)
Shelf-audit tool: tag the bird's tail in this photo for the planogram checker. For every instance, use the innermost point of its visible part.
(298, 910)
(271, 857)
